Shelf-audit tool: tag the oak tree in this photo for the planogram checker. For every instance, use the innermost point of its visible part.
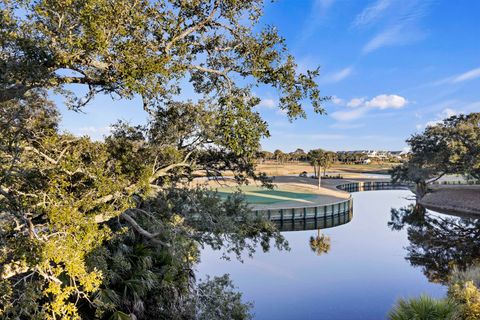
(113, 229)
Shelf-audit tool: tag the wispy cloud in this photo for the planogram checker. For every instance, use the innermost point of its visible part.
(323, 4)
(359, 107)
(371, 13)
(318, 12)
(396, 35)
(398, 22)
(469, 75)
(458, 78)
(337, 76)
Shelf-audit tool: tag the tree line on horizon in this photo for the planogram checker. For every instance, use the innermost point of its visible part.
(299, 155)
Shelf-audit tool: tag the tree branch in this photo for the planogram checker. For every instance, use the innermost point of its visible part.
(435, 179)
(15, 91)
(192, 29)
(164, 171)
(144, 233)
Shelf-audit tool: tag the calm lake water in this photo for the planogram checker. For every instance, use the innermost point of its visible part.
(362, 275)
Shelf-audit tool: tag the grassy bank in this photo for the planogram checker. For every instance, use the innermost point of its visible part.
(276, 169)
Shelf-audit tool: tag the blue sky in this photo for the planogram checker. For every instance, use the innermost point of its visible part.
(391, 66)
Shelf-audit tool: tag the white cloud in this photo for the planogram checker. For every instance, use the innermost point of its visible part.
(446, 113)
(355, 102)
(469, 75)
(338, 76)
(268, 103)
(371, 13)
(382, 101)
(361, 106)
(385, 101)
(337, 100)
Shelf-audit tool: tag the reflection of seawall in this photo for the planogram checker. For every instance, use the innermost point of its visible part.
(324, 222)
(323, 215)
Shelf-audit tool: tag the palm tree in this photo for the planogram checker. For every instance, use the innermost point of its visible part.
(315, 156)
(320, 244)
(327, 160)
(424, 307)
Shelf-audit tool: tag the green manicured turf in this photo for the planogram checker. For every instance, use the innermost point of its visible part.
(256, 195)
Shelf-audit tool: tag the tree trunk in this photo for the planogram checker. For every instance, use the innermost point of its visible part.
(319, 178)
(421, 189)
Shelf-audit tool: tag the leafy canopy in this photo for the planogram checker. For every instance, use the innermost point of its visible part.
(450, 147)
(113, 229)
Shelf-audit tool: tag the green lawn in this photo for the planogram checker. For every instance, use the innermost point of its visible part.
(256, 195)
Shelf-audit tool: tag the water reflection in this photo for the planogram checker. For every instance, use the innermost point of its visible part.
(438, 243)
(320, 244)
(323, 222)
(361, 277)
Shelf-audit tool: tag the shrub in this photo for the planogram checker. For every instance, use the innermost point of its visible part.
(424, 308)
(464, 290)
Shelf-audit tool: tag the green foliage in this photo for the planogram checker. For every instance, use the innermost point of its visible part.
(424, 308)
(227, 304)
(464, 289)
(104, 229)
(463, 300)
(112, 229)
(450, 147)
(147, 48)
(319, 159)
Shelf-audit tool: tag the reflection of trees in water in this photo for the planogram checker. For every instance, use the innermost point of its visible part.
(438, 243)
(320, 244)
